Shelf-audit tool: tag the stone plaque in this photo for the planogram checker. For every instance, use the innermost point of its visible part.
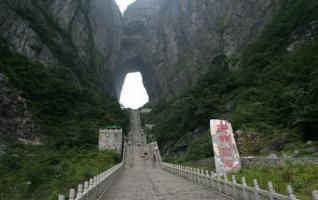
(226, 155)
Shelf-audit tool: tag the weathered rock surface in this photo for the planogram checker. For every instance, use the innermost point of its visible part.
(171, 42)
(15, 121)
(80, 35)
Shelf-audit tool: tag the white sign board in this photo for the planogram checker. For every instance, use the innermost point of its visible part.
(226, 155)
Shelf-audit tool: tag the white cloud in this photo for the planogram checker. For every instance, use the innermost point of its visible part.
(123, 4)
(133, 94)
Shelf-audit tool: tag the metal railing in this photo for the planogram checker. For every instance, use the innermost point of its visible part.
(95, 188)
(232, 188)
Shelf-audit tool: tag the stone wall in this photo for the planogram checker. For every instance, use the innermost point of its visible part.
(110, 139)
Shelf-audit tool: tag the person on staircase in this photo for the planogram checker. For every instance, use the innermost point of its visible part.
(154, 160)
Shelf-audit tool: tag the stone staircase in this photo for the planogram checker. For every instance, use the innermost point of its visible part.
(137, 178)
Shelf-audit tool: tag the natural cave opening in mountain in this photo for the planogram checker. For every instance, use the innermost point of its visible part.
(123, 4)
(133, 94)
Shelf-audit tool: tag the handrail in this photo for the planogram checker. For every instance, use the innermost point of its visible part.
(231, 188)
(95, 188)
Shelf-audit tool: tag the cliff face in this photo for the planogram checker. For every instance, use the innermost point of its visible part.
(171, 42)
(15, 121)
(79, 35)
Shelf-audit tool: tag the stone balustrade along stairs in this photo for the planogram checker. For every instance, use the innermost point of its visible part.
(137, 178)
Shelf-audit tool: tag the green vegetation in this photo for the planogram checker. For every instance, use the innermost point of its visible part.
(199, 148)
(68, 116)
(302, 177)
(48, 171)
(220, 23)
(274, 91)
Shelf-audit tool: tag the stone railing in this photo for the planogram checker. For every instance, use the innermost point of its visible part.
(231, 188)
(95, 188)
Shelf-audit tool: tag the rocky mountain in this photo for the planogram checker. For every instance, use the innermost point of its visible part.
(169, 42)
(15, 120)
(172, 42)
(79, 35)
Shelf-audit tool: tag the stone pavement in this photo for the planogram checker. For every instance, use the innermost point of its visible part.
(144, 180)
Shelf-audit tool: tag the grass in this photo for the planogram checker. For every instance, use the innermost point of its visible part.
(302, 177)
(49, 172)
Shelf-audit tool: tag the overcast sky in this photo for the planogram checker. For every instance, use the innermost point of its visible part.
(134, 94)
(123, 4)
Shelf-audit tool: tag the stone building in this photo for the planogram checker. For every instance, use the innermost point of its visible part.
(110, 138)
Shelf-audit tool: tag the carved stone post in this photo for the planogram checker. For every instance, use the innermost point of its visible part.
(212, 181)
(234, 186)
(72, 194)
(207, 175)
(85, 186)
(244, 188)
(61, 197)
(225, 184)
(198, 175)
(202, 177)
(291, 192)
(257, 188)
(271, 190)
(79, 191)
(315, 195)
(91, 183)
(219, 184)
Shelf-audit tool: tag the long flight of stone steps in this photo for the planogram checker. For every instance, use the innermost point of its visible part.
(143, 179)
(137, 178)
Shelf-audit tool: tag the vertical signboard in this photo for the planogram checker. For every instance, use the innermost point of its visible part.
(226, 155)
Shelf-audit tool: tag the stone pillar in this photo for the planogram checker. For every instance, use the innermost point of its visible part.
(72, 194)
(271, 190)
(61, 197)
(315, 195)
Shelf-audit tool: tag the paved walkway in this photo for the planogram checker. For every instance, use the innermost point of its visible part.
(144, 180)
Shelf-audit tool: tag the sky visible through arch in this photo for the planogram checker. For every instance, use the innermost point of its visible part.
(133, 94)
(123, 4)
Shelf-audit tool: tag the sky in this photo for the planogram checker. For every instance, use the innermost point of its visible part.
(133, 94)
(123, 4)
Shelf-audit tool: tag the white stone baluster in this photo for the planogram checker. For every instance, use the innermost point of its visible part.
(72, 194)
(79, 191)
(257, 188)
(61, 197)
(198, 175)
(244, 188)
(207, 175)
(225, 184)
(315, 195)
(202, 176)
(192, 173)
(234, 194)
(271, 190)
(212, 180)
(219, 183)
(291, 192)
(85, 186)
(91, 183)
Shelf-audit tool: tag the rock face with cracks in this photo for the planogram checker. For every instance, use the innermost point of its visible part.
(80, 35)
(172, 42)
(169, 42)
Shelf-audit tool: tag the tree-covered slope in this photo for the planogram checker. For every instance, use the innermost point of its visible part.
(66, 118)
(273, 91)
